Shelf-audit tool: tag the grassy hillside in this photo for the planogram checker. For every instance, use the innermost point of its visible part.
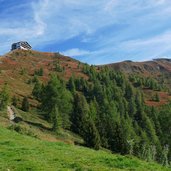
(19, 152)
(39, 147)
(34, 125)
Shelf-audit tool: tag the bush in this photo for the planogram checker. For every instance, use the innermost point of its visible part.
(39, 72)
(22, 130)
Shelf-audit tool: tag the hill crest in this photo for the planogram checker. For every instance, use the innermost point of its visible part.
(17, 69)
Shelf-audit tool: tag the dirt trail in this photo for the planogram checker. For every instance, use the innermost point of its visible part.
(11, 113)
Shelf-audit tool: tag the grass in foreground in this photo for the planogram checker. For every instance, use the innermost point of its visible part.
(19, 152)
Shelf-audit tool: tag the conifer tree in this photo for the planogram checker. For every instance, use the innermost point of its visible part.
(154, 115)
(132, 107)
(25, 104)
(56, 95)
(4, 97)
(91, 135)
(37, 90)
(71, 85)
(80, 113)
(83, 124)
(14, 101)
(56, 119)
(128, 91)
(94, 109)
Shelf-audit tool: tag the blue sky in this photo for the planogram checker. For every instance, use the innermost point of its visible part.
(93, 31)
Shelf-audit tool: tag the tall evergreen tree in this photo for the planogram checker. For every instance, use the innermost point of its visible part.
(132, 107)
(83, 124)
(4, 97)
(37, 90)
(56, 119)
(80, 113)
(71, 85)
(54, 96)
(25, 104)
(91, 135)
(14, 101)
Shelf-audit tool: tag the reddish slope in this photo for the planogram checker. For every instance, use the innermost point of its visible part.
(18, 67)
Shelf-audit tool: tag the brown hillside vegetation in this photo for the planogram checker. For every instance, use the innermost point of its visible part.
(159, 69)
(164, 98)
(18, 67)
(148, 68)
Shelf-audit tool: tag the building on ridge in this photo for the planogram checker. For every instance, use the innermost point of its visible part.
(21, 45)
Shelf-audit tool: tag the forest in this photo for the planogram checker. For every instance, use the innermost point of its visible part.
(107, 110)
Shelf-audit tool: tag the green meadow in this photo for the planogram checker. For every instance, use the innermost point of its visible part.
(21, 153)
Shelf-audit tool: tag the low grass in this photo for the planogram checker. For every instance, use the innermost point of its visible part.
(20, 152)
(34, 123)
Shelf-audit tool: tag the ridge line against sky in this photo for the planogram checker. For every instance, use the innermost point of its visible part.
(96, 32)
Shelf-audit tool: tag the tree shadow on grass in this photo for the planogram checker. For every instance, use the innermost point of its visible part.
(38, 125)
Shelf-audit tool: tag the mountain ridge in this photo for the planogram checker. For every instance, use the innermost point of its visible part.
(59, 98)
(146, 67)
(18, 67)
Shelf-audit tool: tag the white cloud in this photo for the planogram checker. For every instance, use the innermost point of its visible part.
(134, 26)
(40, 10)
(162, 40)
(69, 18)
(164, 57)
(160, 2)
(75, 52)
(111, 5)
